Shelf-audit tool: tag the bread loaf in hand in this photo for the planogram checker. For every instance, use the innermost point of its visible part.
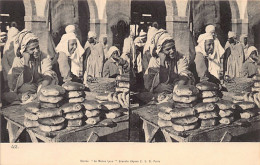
(52, 90)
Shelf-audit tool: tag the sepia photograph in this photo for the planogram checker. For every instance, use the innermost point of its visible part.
(129, 72)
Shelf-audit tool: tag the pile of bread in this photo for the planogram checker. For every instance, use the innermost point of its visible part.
(123, 83)
(46, 114)
(208, 112)
(121, 98)
(209, 92)
(114, 104)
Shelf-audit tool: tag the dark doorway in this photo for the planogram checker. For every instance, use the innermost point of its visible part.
(12, 11)
(120, 32)
(225, 22)
(256, 32)
(144, 13)
(84, 17)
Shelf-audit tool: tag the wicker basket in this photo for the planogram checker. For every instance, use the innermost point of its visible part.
(102, 85)
(240, 85)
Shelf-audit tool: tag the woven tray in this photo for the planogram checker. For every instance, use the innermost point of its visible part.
(240, 85)
(102, 85)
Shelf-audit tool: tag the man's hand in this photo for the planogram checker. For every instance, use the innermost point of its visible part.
(162, 87)
(27, 58)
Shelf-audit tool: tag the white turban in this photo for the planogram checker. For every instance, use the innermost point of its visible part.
(92, 34)
(76, 56)
(210, 28)
(22, 39)
(249, 51)
(158, 39)
(70, 29)
(231, 34)
(201, 40)
(111, 50)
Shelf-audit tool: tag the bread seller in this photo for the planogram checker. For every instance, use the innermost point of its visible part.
(115, 65)
(31, 68)
(202, 63)
(167, 67)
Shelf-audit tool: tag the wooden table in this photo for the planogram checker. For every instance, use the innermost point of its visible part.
(87, 133)
(221, 132)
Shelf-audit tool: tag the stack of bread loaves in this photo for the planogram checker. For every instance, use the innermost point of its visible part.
(51, 96)
(209, 91)
(164, 113)
(50, 117)
(185, 96)
(112, 109)
(73, 113)
(75, 92)
(207, 113)
(30, 116)
(93, 111)
(123, 83)
(256, 79)
(247, 109)
(226, 111)
(184, 119)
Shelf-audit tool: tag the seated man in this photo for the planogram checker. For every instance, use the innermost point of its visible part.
(166, 68)
(201, 65)
(31, 68)
(252, 60)
(115, 65)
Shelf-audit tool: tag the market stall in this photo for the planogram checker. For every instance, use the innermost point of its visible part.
(201, 115)
(69, 113)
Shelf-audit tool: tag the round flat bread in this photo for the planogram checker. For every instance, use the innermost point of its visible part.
(210, 100)
(208, 115)
(207, 86)
(71, 107)
(93, 120)
(73, 94)
(205, 107)
(246, 105)
(124, 84)
(109, 105)
(184, 99)
(76, 100)
(208, 123)
(46, 128)
(182, 112)
(227, 120)
(248, 114)
(30, 123)
(51, 121)
(184, 105)
(74, 115)
(185, 90)
(32, 107)
(50, 99)
(165, 107)
(207, 94)
(102, 96)
(49, 112)
(164, 116)
(73, 86)
(31, 116)
(226, 113)
(50, 105)
(182, 128)
(185, 120)
(52, 90)
(225, 104)
(164, 123)
(92, 113)
(113, 114)
(91, 104)
(75, 123)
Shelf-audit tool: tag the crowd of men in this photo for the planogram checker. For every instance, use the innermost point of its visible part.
(151, 59)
